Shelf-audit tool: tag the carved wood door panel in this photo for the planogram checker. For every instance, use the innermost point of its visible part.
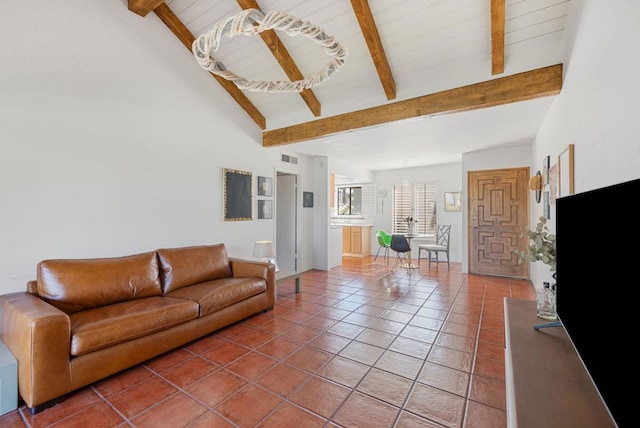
(498, 213)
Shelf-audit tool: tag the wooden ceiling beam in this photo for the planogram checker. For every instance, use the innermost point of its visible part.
(143, 7)
(283, 57)
(529, 85)
(186, 37)
(497, 36)
(374, 43)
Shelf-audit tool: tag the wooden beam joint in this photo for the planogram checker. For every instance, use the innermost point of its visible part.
(143, 7)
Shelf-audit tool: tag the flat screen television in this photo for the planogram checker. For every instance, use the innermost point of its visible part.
(598, 240)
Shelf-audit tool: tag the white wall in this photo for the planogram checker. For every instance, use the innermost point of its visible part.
(598, 106)
(320, 211)
(111, 143)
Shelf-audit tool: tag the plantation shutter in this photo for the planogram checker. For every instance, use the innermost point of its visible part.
(416, 200)
(369, 199)
(402, 207)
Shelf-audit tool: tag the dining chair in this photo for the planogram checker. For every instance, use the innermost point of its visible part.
(440, 246)
(384, 241)
(401, 246)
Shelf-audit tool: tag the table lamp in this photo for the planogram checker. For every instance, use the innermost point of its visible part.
(264, 250)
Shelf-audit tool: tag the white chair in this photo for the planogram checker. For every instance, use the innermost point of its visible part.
(440, 246)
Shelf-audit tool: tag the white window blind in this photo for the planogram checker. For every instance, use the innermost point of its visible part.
(417, 200)
(356, 199)
(369, 199)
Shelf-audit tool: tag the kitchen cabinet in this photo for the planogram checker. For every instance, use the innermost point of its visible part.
(356, 241)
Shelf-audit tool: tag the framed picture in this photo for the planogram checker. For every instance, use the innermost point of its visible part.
(265, 208)
(553, 183)
(546, 205)
(237, 195)
(452, 201)
(307, 199)
(545, 170)
(265, 186)
(565, 172)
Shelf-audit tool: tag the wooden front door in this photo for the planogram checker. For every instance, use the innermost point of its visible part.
(498, 214)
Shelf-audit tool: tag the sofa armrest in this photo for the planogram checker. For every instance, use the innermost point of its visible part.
(38, 335)
(253, 269)
(256, 269)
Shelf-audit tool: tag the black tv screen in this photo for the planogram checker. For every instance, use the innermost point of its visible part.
(598, 234)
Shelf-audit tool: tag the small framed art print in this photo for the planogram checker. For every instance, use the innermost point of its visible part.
(265, 208)
(452, 201)
(265, 186)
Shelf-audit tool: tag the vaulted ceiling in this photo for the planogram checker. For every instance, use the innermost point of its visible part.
(424, 80)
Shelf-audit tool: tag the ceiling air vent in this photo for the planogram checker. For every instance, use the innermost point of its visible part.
(289, 159)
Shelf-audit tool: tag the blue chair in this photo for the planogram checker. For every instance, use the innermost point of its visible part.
(401, 246)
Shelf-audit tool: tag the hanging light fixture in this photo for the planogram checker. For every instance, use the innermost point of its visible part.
(253, 21)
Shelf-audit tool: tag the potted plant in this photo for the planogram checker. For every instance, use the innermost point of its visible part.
(542, 247)
(410, 222)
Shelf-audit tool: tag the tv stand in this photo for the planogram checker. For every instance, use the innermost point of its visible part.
(546, 382)
(547, 324)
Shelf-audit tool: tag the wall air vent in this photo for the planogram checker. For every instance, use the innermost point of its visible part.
(289, 159)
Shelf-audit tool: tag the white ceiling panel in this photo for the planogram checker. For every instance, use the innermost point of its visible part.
(431, 46)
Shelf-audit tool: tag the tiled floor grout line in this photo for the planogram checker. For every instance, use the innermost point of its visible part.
(354, 389)
(383, 314)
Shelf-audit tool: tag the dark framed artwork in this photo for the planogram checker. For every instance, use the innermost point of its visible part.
(265, 186)
(545, 170)
(237, 195)
(307, 199)
(265, 208)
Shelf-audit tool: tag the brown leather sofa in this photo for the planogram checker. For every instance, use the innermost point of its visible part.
(85, 319)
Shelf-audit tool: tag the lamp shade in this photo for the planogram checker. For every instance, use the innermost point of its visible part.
(263, 250)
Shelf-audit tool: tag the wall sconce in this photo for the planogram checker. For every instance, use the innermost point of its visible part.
(535, 184)
(264, 250)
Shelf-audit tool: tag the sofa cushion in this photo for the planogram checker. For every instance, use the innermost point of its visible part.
(220, 293)
(109, 325)
(74, 285)
(185, 266)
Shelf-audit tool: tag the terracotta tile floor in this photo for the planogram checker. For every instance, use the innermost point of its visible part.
(362, 345)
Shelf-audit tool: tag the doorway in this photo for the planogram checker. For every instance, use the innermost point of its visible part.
(498, 215)
(286, 224)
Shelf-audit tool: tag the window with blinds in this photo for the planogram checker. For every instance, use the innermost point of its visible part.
(416, 200)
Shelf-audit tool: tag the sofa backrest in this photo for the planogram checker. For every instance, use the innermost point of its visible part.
(74, 285)
(184, 266)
